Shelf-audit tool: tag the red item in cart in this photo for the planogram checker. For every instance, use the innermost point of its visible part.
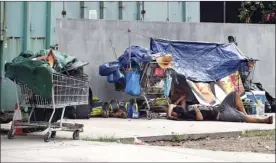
(159, 72)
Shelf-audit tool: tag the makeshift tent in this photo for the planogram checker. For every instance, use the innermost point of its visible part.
(202, 62)
(205, 63)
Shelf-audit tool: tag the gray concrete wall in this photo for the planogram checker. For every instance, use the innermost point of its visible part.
(90, 40)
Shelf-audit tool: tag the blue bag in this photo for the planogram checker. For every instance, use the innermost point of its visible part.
(133, 83)
(132, 111)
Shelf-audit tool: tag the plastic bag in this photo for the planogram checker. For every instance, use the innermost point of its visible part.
(167, 88)
(133, 87)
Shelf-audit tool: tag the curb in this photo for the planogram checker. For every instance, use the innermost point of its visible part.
(184, 137)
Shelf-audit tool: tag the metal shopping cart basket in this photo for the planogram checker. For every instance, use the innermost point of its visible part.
(66, 91)
(153, 93)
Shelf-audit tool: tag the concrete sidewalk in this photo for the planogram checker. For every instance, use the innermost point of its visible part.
(156, 128)
(32, 149)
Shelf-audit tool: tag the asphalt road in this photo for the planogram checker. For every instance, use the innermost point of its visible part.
(34, 149)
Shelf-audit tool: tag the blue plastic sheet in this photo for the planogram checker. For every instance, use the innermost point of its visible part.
(204, 62)
(137, 55)
(109, 68)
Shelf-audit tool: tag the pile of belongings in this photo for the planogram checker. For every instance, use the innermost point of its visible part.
(36, 70)
(114, 108)
(120, 72)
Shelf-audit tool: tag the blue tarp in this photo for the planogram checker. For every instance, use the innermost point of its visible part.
(202, 62)
(113, 69)
(137, 55)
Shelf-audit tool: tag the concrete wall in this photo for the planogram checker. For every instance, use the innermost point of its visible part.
(90, 40)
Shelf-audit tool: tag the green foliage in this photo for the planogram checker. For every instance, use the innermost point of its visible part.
(258, 12)
(177, 137)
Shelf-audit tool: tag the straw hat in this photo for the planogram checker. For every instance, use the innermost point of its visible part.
(165, 61)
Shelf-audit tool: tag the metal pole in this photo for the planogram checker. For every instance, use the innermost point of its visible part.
(224, 11)
(129, 44)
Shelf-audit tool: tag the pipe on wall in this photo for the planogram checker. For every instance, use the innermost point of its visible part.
(26, 18)
(63, 13)
(5, 20)
(82, 9)
(48, 23)
(101, 10)
(138, 10)
(184, 11)
(120, 3)
(0, 19)
(1, 46)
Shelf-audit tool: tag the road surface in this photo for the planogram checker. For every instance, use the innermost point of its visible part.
(33, 149)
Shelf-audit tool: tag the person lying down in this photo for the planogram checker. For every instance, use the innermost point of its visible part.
(230, 110)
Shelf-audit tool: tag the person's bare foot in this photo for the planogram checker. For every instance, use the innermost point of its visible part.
(269, 120)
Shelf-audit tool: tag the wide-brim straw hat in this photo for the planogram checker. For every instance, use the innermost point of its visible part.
(165, 61)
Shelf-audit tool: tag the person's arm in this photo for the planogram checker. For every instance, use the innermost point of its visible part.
(199, 116)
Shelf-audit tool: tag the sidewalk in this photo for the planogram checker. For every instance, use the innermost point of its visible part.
(154, 129)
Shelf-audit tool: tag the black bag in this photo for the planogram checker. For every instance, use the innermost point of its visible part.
(83, 111)
(80, 111)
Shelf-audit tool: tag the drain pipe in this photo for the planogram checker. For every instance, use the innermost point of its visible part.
(0, 19)
(2, 49)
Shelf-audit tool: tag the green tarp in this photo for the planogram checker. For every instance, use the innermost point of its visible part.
(36, 74)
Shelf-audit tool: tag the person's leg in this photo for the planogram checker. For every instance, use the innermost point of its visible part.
(239, 104)
(268, 120)
(230, 114)
(180, 100)
(233, 100)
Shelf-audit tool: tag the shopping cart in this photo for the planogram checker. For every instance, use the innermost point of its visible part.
(152, 86)
(66, 91)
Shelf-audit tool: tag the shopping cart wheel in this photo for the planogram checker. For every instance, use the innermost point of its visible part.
(11, 134)
(76, 135)
(149, 115)
(53, 134)
(47, 137)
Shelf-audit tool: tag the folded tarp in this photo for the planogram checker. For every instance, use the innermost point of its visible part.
(202, 62)
(37, 74)
(64, 61)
